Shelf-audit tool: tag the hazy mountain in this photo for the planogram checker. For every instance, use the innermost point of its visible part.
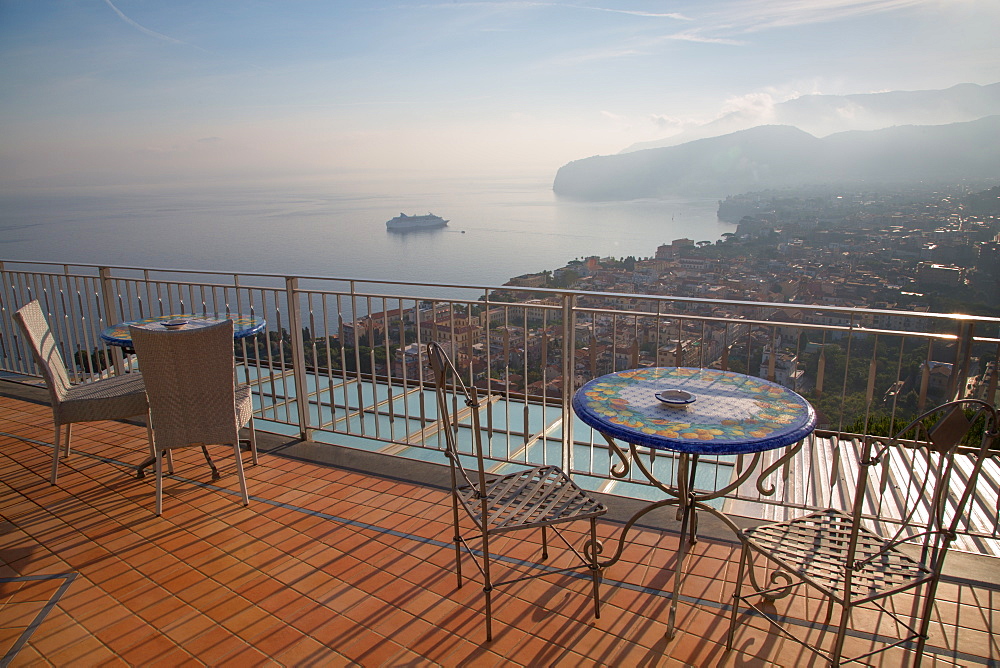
(782, 156)
(822, 115)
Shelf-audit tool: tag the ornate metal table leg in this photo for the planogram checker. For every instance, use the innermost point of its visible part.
(687, 509)
(621, 470)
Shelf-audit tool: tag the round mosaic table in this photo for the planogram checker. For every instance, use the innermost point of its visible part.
(731, 414)
(243, 326)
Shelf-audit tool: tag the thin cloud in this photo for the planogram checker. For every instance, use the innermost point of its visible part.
(528, 5)
(166, 38)
(582, 57)
(594, 56)
(800, 13)
(758, 105)
(726, 22)
(693, 36)
(757, 15)
(664, 122)
(142, 28)
(631, 12)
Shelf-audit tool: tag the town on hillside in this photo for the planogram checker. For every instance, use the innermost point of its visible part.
(752, 302)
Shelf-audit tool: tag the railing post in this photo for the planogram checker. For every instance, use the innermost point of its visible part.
(569, 376)
(960, 369)
(108, 305)
(9, 359)
(298, 356)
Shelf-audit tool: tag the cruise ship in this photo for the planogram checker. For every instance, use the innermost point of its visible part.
(404, 222)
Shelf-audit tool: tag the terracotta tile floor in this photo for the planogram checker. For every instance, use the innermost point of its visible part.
(333, 567)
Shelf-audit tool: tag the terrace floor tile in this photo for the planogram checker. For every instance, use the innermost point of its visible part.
(336, 567)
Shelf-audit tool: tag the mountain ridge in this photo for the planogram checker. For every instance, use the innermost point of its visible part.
(822, 115)
(772, 156)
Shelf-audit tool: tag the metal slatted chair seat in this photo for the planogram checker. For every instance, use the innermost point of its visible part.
(531, 498)
(815, 547)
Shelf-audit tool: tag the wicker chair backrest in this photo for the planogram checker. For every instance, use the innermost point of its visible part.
(189, 377)
(44, 349)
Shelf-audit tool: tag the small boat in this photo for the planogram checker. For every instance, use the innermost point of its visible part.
(404, 222)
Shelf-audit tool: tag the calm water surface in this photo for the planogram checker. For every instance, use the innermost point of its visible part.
(499, 228)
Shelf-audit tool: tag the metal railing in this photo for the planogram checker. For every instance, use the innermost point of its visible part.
(342, 359)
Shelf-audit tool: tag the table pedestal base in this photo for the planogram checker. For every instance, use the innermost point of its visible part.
(688, 504)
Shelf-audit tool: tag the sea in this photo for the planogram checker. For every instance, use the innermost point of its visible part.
(499, 227)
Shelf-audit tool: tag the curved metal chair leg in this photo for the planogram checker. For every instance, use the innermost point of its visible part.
(737, 597)
(215, 472)
(595, 566)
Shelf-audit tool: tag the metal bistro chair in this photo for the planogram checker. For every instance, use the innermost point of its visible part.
(113, 398)
(912, 495)
(537, 498)
(193, 397)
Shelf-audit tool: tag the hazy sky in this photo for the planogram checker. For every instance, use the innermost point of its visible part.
(143, 91)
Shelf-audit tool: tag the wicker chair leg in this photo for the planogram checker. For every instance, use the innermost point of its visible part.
(253, 442)
(149, 437)
(55, 454)
(69, 436)
(159, 483)
(239, 472)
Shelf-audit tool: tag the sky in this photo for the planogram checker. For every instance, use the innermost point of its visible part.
(119, 92)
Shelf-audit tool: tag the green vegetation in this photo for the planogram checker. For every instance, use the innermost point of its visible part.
(985, 203)
(843, 400)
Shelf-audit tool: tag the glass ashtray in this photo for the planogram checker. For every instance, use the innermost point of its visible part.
(676, 397)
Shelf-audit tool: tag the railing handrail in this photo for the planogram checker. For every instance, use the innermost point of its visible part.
(555, 292)
(311, 374)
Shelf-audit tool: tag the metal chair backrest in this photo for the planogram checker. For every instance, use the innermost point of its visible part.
(916, 487)
(189, 378)
(44, 349)
(449, 411)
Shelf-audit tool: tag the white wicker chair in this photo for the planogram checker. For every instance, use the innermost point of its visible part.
(193, 398)
(113, 398)
(543, 497)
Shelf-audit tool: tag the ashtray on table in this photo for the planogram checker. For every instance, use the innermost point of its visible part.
(676, 397)
(175, 324)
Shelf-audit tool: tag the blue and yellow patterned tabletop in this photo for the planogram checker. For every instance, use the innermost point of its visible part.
(243, 326)
(732, 413)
